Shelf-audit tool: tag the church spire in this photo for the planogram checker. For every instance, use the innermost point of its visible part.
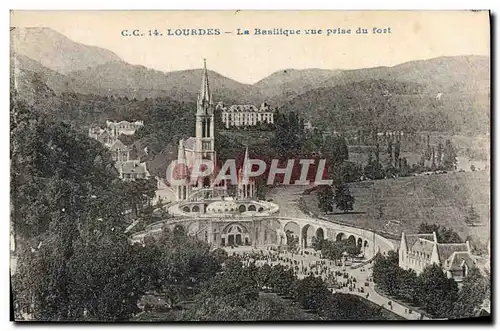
(245, 161)
(205, 98)
(246, 168)
(181, 154)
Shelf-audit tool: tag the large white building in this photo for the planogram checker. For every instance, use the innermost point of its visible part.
(124, 127)
(417, 251)
(245, 115)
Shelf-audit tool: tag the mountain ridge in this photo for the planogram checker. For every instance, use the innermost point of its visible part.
(56, 51)
(412, 87)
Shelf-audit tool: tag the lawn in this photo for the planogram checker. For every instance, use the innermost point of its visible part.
(402, 204)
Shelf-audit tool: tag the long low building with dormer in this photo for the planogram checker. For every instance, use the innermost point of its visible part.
(417, 251)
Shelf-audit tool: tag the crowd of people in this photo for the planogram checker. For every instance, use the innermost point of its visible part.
(307, 263)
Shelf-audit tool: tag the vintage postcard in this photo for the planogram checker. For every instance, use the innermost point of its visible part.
(250, 165)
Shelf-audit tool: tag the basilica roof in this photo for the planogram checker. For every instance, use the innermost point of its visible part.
(223, 206)
(190, 143)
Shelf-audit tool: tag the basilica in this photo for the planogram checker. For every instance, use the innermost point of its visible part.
(193, 150)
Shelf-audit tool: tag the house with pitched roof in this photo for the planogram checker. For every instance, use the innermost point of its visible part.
(417, 251)
(119, 151)
(132, 170)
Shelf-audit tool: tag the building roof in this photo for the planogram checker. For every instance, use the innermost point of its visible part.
(103, 135)
(242, 108)
(190, 143)
(118, 145)
(247, 109)
(113, 123)
(133, 166)
(455, 261)
(222, 206)
(486, 305)
(423, 246)
(411, 239)
(96, 130)
(446, 250)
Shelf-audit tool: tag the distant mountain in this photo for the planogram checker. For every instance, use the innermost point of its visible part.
(120, 78)
(56, 51)
(443, 74)
(57, 82)
(392, 105)
(445, 93)
(285, 84)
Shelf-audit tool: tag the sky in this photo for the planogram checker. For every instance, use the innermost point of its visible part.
(414, 35)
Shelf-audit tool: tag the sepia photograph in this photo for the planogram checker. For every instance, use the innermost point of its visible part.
(263, 166)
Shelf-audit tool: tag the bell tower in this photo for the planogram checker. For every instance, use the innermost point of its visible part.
(205, 135)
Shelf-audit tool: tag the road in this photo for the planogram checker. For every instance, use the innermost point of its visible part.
(287, 198)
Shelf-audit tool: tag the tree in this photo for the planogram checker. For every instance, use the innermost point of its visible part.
(433, 160)
(386, 273)
(281, 279)
(237, 285)
(421, 162)
(443, 234)
(264, 276)
(112, 283)
(336, 153)
(449, 156)
(353, 250)
(380, 211)
(74, 226)
(405, 169)
(348, 172)
(289, 133)
(325, 198)
(436, 292)
(343, 198)
(475, 289)
(389, 149)
(397, 151)
(428, 149)
(317, 243)
(407, 290)
(311, 292)
(292, 242)
(472, 216)
(332, 250)
(139, 194)
(439, 157)
(373, 169)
